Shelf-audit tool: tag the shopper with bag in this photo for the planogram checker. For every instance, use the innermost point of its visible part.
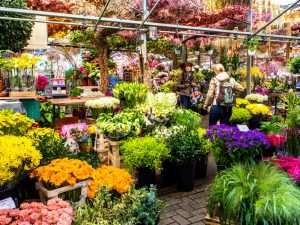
(221, 96)
(185, 83)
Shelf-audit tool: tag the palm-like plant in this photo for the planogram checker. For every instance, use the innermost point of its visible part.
(257, 194)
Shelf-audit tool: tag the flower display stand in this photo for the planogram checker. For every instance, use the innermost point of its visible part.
(46, 194)
(114, 157)
(102, 147)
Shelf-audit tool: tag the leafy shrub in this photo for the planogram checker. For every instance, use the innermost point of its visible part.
(256, 194)
(132, 208)
(187, 118)
(240, 115)
(144, 152)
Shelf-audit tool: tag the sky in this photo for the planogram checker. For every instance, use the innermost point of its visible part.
(283, 2)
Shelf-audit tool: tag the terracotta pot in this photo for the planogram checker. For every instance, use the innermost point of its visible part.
(90, 82)
(1, 86)
(84, 82)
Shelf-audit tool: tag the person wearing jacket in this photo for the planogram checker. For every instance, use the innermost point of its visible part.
(218, 112)
(185, 83)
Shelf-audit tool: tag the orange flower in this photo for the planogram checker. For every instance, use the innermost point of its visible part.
(112, 178)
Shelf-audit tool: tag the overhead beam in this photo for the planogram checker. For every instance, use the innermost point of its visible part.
(271, 21)
(133, 22)
(148, 15)
(101, 14)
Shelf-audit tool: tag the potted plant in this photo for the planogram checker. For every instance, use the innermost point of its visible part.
(146, 155)
(62, 177)
(102, 105)
(185, 150)
(188, 118)
(255, 194)
(240, 115)
(202, 161)
(137, 206)
(177, 50)
(18, 158)
(83, 139)
(230, 145)
(130, 94)
(258, 111)
(251, 46)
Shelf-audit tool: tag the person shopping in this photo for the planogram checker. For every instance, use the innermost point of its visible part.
(185, 83)
(221, 96)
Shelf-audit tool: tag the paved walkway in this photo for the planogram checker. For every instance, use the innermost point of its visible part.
(185, 208)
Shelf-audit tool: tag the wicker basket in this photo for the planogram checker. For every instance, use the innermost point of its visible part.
(22, 94)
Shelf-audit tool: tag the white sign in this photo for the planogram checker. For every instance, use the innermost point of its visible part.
(7, 203)
(243, 128)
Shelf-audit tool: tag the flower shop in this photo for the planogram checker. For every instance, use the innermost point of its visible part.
(96, 126)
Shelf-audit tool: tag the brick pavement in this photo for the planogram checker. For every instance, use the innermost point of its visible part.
(185, 208)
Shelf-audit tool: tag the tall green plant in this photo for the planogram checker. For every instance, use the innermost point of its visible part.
(256, 194)
(187, 118)
(14, 34)
(144, 152)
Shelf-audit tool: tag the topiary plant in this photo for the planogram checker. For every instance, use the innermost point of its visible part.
(14, 34)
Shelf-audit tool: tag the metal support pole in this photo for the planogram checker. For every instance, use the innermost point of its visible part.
(144, 44)
(249, 57)
(101, 14)
(136, 23)
(271, 21)
(147, 14)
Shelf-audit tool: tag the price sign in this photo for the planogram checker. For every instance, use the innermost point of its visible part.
(243, 128)
(7, 203)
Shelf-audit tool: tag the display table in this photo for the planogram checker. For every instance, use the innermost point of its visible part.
(66, 102)
(31, 105)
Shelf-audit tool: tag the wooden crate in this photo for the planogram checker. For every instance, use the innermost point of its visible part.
(46, 194)
(211, 221)
(22, 94)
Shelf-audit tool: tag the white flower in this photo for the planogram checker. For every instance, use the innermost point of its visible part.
(257, 98)
(101, 103)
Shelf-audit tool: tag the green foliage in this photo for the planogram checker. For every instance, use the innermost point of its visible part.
(132, 208)
(82, 36)
(208, 74)
(251, 44)
(160, 46)
(231, 63)
(185, 147)
(240, 115)
(14, 34)
(187, 118)
(257, 194)
(130, 94)
(293, 118)
(291, 100)
(144, 152)
(295, 65)
(274, 125)
(46, 110)
(75, 91)
(5, 61)
(118, 43)
(169, 86)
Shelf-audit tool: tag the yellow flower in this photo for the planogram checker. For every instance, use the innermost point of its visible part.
(240, 102)
(17, 156)
(258, 109)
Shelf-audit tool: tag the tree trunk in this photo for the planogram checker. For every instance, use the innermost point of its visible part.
(102, 47)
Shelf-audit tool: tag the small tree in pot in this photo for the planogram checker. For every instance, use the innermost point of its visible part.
(185, 150)
(144, 154)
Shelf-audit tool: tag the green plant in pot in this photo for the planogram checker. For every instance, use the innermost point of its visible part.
(293, 132)
(187, 118)
(145, 155)
(240, 115)
(256, 194)
(185, 149)
(251, 45)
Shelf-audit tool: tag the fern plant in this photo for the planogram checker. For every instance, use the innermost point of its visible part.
(256, 194)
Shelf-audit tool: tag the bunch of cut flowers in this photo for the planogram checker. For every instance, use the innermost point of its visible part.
(55, 212)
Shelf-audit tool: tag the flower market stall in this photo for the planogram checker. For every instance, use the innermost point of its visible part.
(95, 129)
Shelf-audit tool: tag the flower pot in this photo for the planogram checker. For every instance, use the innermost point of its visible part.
(146, 177)
(169, 173)
(79, 112)
(186, 177)
(1, 86)
(84, 82)
(90, 82)
(12, 192)
(255, 122)
(201, 168)
(84, 146)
